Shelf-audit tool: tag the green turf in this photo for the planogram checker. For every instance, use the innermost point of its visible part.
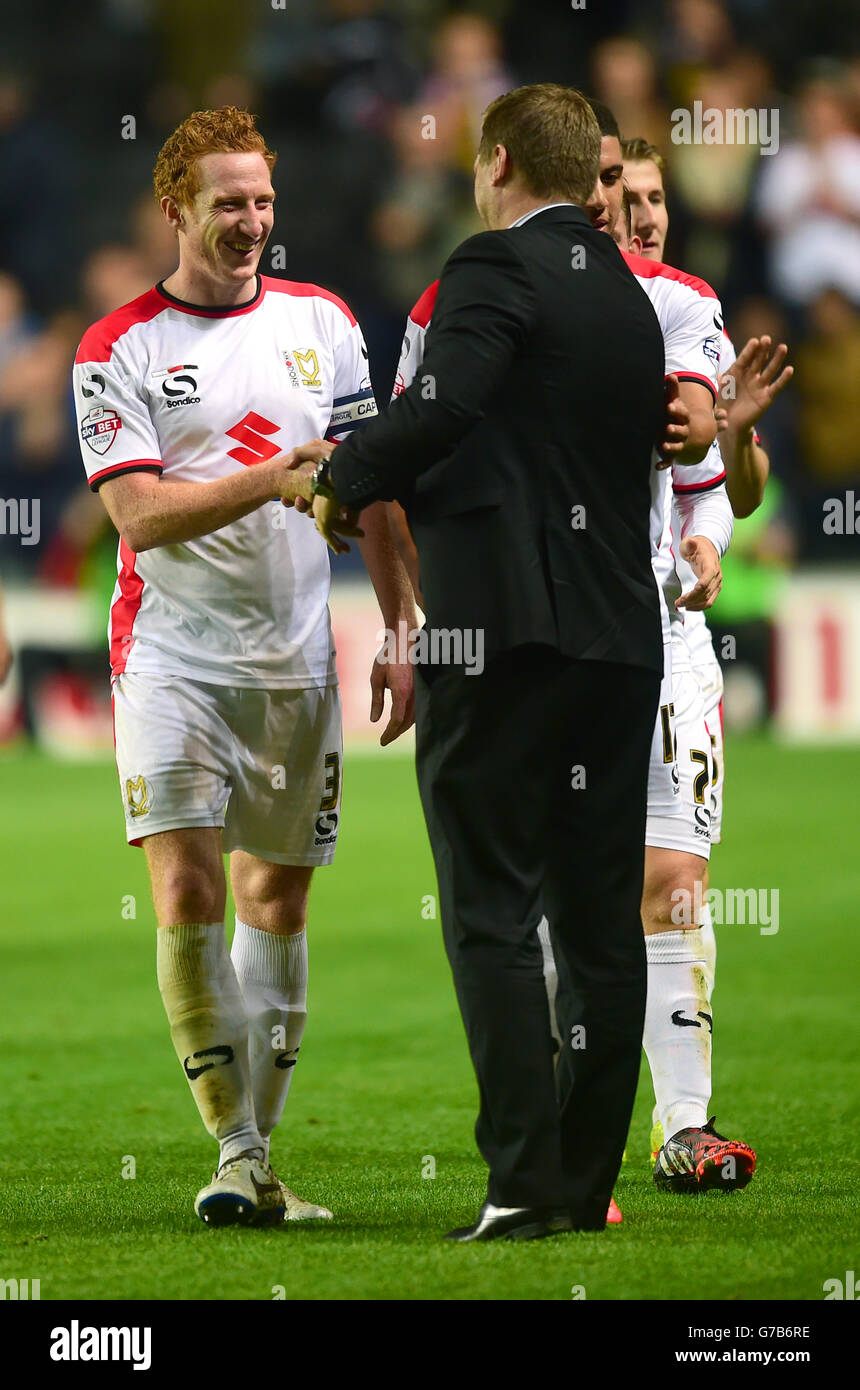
(89, 1076)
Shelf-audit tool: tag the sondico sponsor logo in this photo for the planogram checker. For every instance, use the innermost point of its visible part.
(76, 1343)
(177, 384)
(326, 829)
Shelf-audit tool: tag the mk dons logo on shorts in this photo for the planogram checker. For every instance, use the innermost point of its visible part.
(99, 428)
(303, 369)
(140, 795)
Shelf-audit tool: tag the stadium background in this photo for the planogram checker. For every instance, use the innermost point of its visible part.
(369, 208)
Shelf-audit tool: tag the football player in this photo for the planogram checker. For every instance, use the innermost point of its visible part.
(678, 1020)
(749, 383)
(226, 705)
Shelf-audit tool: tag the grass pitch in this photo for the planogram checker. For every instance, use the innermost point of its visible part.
(384, 1091)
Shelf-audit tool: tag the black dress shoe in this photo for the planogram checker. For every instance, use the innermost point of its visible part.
(513, 1223)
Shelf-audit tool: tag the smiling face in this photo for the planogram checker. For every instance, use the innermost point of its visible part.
(650, 216)
(604, 205)
(224, 229)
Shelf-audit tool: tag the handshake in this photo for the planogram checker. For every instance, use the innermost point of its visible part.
(304, 483)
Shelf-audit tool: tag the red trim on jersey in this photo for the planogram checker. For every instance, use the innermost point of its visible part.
(649, 269)
(124, 610)
(132, 466)
(700, 487)
(696, 376)
(302, 291)
(422, 311)
(97, 343)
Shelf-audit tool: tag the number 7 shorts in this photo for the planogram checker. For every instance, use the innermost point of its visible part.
(689, 830)
(265, 765)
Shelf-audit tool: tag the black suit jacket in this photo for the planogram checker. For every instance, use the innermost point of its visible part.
(522, 450)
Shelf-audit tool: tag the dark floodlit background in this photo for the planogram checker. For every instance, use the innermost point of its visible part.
(370, 208)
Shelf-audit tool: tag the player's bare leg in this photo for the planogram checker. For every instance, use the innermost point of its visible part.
(271, 962)
(207, 1018)
(678, 1029)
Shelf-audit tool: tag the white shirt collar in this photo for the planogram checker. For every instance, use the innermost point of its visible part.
(534, 212)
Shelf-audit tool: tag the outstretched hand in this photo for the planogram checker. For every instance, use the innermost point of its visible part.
(757, 375)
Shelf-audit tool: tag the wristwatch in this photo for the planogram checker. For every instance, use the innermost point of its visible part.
(321, 482)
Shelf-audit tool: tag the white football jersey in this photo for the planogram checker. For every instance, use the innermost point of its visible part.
(691, 321)
(192, 394)
(412, 347)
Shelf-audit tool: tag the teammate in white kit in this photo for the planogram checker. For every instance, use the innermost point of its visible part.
(748, 386)
(226, 707)
(677, 1036)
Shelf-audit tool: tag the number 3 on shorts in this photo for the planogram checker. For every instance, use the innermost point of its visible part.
(332, 782)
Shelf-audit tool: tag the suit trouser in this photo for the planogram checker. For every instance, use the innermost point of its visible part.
(533, 778)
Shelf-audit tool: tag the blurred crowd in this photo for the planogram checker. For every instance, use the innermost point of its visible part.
(375, 109)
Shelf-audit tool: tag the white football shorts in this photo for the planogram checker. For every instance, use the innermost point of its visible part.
(265, 765)
(691, 830)
(710, 678)
(664, 788)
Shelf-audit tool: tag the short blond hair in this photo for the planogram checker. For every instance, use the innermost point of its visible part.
(228, 130)
(551, 135)
(637, 151)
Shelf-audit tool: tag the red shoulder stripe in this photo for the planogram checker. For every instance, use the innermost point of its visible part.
(302, 291)
(97, 343)
(650, 269)
(422, 311)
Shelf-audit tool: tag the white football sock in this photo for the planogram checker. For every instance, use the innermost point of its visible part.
(677, 1037)
(209, 1029)
(550, 978)
(273, 975)
(709, 940)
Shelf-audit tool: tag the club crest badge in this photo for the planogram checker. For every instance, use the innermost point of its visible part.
(139, 795)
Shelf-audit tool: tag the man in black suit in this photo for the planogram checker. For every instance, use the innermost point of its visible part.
(521, 454)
